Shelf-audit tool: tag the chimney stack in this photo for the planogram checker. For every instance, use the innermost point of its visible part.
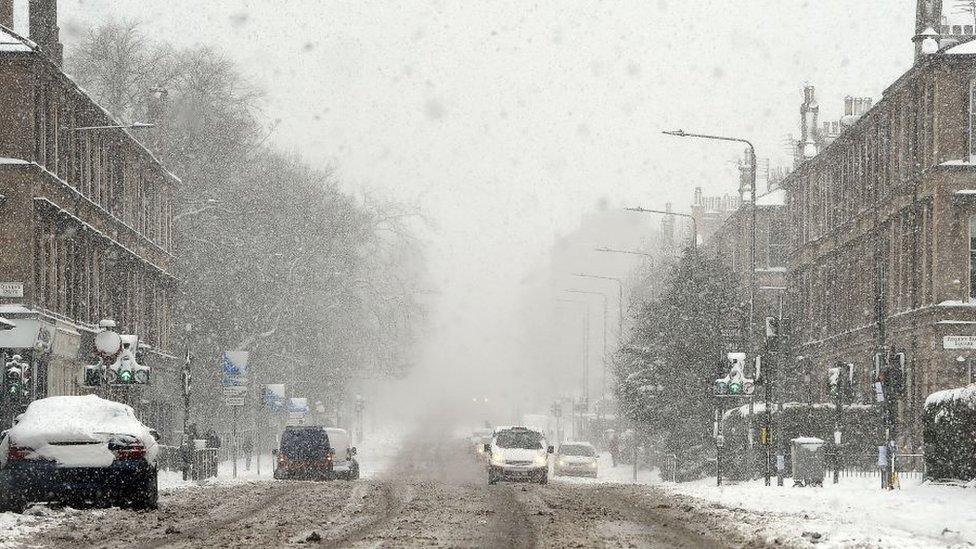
(43, 25)
(7, 13)
(810, 112)
(928, 20)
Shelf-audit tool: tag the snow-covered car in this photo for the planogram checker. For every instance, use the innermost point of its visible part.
(78, 449)
(518, 454)
(304, 453)
(344, 463)
(575, 459)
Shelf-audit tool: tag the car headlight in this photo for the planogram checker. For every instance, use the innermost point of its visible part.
(540, 461)
(497, 460)
(561, 462)
(593, 464)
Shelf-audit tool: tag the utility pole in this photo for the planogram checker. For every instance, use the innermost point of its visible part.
(187, 382)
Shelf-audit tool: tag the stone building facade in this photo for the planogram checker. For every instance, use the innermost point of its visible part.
(85, 219)
(882, 223)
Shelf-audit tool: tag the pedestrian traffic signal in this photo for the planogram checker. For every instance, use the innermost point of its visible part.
(14, 376)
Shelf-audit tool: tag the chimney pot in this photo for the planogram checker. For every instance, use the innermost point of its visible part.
(848, 106)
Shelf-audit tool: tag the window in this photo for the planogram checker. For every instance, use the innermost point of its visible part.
(972, 256)
(972, 121)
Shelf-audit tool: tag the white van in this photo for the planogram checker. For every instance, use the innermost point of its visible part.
(344, 464)
(518, 453)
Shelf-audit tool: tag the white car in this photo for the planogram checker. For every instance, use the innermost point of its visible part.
(518, 454)
(576, 459)
(78, 449)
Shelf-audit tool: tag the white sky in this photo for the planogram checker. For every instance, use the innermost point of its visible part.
(506, 120)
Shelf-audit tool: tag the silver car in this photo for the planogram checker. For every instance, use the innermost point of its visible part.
(577, 459)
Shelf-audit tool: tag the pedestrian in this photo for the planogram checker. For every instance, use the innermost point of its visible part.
(614, 446)
(213, 440)
(246, 447)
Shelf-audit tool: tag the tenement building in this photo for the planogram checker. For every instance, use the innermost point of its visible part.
(85, 221)
(882, 219)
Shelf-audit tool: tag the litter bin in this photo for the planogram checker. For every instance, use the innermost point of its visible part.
(809, 466)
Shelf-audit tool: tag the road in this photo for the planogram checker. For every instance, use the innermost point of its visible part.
(434, 495)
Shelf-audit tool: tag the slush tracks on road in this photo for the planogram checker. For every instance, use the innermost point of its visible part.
(434, 495)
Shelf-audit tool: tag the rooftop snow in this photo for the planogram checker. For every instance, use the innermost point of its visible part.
(966, 48)
(775, 197)
(10, 42)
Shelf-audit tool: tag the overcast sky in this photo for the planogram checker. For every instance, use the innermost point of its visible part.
(505, 120)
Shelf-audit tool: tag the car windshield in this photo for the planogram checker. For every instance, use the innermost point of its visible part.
(528, 440)
(577, 450)
(304, 443)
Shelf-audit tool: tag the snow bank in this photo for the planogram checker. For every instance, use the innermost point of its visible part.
(853, 513)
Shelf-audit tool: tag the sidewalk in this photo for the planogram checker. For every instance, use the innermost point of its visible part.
(853, 513)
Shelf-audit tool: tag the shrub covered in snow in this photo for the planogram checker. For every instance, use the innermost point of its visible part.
(950, 434)
(861, 433)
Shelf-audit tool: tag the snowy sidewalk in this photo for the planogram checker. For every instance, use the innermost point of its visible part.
(854, 513)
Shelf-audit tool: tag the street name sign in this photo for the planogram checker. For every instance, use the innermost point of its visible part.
(11, 289)
(235, 395)
(959, 342)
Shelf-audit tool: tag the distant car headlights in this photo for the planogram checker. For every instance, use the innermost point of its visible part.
(497, 459)
(540, 461)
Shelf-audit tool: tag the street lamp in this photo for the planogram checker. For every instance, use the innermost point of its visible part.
(629, 252)
(694, 222)
(752, 195)
(620, 299)
(603, 376)
(586, 332)
(133, 126)
(208, 204)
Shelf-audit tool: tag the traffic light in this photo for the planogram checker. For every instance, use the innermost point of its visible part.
(833, 381)
(15, 380)
(895, 376)
(735, 383)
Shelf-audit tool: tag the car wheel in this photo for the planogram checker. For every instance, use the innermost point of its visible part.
(492, 480)
(544, 479)
(148, 497)
(278, 474)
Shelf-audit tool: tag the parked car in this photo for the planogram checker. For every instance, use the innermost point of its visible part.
(304, 453)
(479, 438)
(518, 454)
(344, 463)
(78, 449)
(575, 459)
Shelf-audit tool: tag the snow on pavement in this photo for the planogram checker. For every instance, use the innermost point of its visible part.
(853, 513)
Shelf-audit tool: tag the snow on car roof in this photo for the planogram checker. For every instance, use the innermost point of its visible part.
(75, 419)
(575, 443)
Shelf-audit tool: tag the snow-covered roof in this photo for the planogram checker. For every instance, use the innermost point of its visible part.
(775, 197)
(966, 48)
(10, 42)
(14, 309)
(964, 394)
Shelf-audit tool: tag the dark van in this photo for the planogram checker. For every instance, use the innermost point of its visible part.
(305, 453)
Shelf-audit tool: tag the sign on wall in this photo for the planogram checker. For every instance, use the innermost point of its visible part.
(11, 289)
(958, 342)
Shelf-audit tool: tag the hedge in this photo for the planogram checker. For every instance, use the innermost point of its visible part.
(950, 434)
(861, 434)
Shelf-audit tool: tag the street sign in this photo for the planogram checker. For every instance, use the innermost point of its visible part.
(11, 289)
(233, 368)
(235, 395)
(958, 342)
